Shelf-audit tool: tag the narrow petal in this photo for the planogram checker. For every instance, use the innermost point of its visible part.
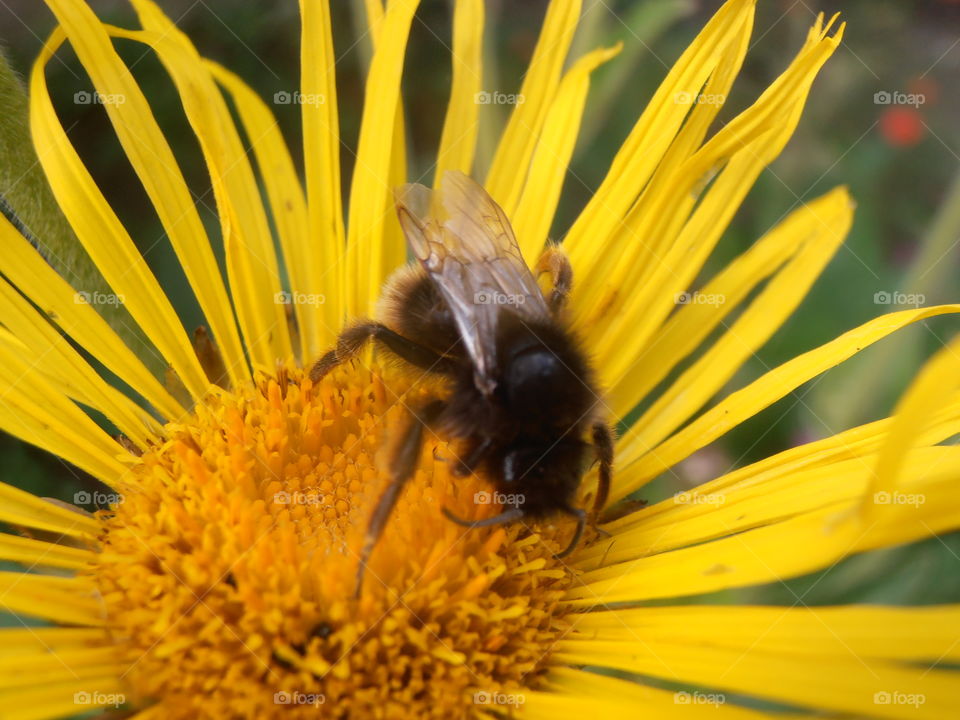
(103, 236)
(321, 157)
(540, 83)
(47, 350)
(694, 321)
(18, 507)
(27, 551)
(62, 600)
(548, 168)
(639, 463)
(57, 700)
(912, 417)
(918, 634)
(822, 235)
(301, 253)
(372, 182)
(151, 157)
(33, 410)
(252, 268)
(848, 684)
(788, 548)
(458, 140)
(654, 132)
(25, 268)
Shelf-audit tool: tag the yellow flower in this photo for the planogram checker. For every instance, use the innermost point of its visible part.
(220, 582)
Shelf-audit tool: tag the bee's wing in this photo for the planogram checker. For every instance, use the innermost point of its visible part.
(464, 241)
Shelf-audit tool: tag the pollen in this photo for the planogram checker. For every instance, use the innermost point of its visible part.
(228, 570)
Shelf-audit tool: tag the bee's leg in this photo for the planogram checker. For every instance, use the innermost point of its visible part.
(402, 466)
(554, 261)
(507, 516)
(353, 338)
(603, 445)
(466, 466)
(581, 515)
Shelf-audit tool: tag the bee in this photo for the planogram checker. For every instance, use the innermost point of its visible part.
(520, 395)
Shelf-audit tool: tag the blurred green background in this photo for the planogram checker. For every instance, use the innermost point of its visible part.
(901, 161)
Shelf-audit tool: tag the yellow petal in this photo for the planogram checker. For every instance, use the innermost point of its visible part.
(29, 272)
(512, 159)
(652, 135)
(639, 463)
(848, 684)
(252, 268)
(33, 410)
(321, 157)
(47, 351)
(458, 141)
(63, 699)
(787, 548)
(19, 507)
(370, 187)
(897, 634)
(100, 231)
(27, 551)
(551, 157)
(152, 159)
(62, 600)
(819, 235)
(301, 253)
(919, 405)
